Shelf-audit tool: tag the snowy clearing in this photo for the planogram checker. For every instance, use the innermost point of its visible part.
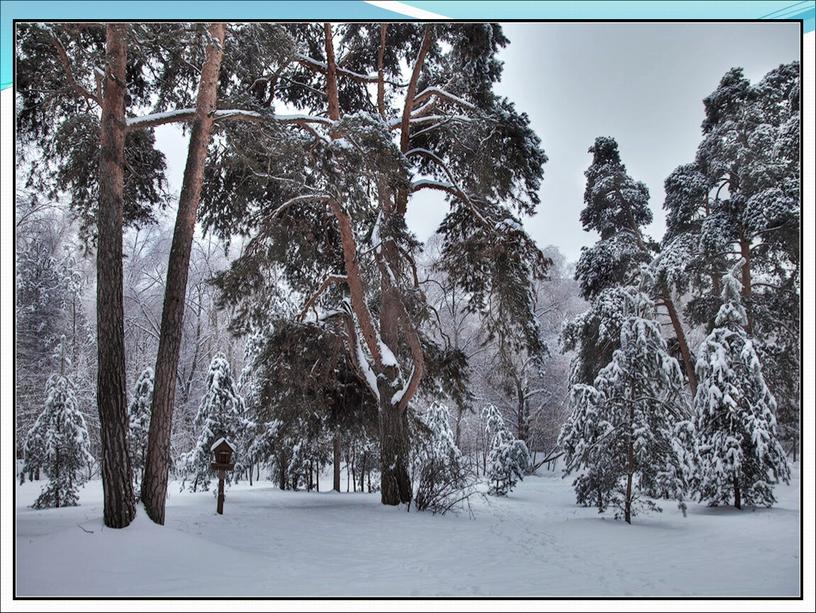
(536, 542)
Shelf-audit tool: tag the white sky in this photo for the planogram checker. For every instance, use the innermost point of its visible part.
(640, 83)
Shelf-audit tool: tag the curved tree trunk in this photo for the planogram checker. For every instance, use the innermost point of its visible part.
(117, 475)
(154, 486)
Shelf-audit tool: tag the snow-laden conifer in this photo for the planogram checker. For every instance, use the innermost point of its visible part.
(737, 451)
(508, 458)
(623, 436)
(221, 413)
(59, 442)
(139, 416)
(438, 466)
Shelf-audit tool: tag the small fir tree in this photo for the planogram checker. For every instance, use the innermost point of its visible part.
(508, 459)
(139, 414)
(737, 451)
(221, 413)
(624, 431)
(437, 463)
(59, 441)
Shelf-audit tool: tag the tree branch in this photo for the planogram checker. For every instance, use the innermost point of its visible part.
(331, 279)
(69, 73)
(412, 86)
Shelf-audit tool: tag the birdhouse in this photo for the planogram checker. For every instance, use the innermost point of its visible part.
(222, 451)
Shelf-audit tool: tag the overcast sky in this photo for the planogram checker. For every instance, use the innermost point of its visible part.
(643, 84)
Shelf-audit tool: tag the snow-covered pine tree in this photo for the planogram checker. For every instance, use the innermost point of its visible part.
(220, 413)
(59, 441)
(325, 194)
(740, 198)
(737, 451)
(438, 470)
(139, 416)
(617, 208)
(508, 458)
(39, 322)
(623, 432)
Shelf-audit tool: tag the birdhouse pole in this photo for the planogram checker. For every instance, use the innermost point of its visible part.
(220, 508)
(222, 451)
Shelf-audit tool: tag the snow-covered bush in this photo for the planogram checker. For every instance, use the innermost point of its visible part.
(438, 468)
(508, 458)
(58, 443)
(139, 417)
(737, 451)
(221, 413)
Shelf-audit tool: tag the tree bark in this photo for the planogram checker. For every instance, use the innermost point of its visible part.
(745, 252)
(117, 474)
(681, 341)
(630, 467)
(154, 487)
(336, 459)
(282, 469)
(737, 494)
(395, 484)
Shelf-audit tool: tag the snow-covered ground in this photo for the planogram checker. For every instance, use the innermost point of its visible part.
(536, 542)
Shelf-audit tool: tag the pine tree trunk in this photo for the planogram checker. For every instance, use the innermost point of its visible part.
(682, 342)
(117, 475)
(745, 252)
(630, 467)
(627, 513)
(349, 474)
(154, 487)
(363, 471)
(522, 412)
(336, 461)
(282, 470)
(395, 484)
(737, 494)
(56, 478)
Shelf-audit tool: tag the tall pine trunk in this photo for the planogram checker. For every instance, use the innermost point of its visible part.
(117, 475)
(395, 484)
(681, 341)
(630, 466)
(336, 461)
(154, 486)
(745, 252)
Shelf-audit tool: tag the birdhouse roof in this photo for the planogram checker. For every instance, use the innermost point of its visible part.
(222, 441)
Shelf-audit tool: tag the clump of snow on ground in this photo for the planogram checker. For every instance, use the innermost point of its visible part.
(535, 542)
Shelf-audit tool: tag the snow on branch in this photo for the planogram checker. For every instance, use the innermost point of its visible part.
(438, 92)
(451, 188)
(321, 67)
(356, 353)
(331, 279)
(188, 114)
(298, 200)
